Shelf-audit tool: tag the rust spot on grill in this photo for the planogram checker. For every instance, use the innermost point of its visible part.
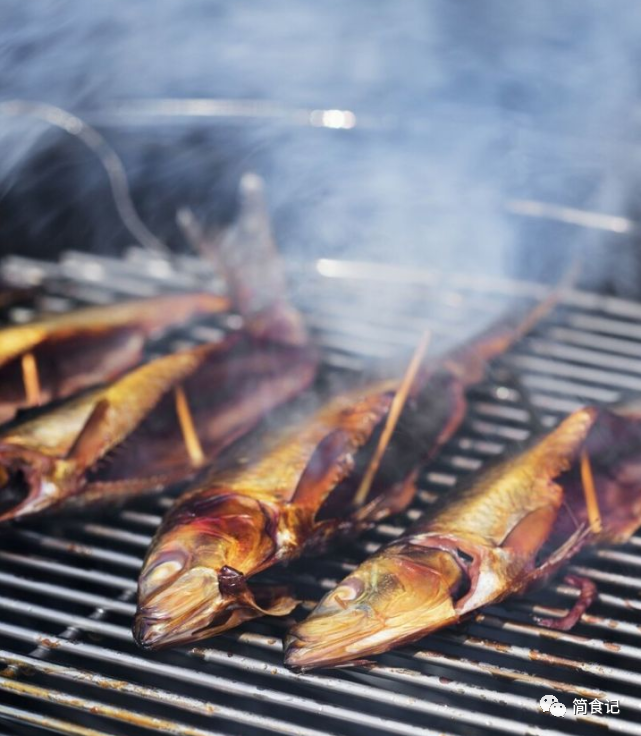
(552, 685)
(610, 623)
(499, 646)
(612, 646)
(552, 659)
(49, 643)
(78, 549)
(445, 680)
(550, 633)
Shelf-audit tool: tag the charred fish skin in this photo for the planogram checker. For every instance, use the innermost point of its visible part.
(481, 544)
(85, 347)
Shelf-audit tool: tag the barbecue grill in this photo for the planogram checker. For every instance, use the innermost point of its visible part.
(68, 663)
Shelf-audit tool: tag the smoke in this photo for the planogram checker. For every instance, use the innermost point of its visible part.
(461, 108)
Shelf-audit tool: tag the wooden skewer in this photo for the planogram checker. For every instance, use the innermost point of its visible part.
(398, 402)
(589, 490)
(31, 379)
(188, 429)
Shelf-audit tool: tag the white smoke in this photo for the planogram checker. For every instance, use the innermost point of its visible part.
(460, 108)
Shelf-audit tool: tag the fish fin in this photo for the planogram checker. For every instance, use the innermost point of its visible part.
(274, 600)
(329, 464)
(587, 595)
(247, 256)
(264, 598)
(557, 558)
(91, 438)
(261, 600)
(525, 537)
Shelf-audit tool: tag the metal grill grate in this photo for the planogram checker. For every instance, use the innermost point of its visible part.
(67, 589)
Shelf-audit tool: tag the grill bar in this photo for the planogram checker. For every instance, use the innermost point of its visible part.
(48, 723)
(466, 716)
(225, 685)
(67, 588)
(120, 714)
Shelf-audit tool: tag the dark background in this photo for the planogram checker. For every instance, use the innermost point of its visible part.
(461, 108)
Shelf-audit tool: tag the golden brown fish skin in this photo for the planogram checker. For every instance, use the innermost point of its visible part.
(480, 544)
(240, 521)
(88, 346)
(56, 453)
(146, 315)
(42, 449)
(292, 489)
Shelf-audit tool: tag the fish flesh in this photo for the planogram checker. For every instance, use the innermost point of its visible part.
(56, 356)
(296, 491)
(500, 533)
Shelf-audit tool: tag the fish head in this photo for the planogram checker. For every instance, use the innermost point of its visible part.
(30, 481)
(194, 580)
(394, 597)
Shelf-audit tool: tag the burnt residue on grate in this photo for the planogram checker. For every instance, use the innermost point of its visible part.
(67, 585)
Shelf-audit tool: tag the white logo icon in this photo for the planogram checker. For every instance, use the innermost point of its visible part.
(550, 704)
(546, 701)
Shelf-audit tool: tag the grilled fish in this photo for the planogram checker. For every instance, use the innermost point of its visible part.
(57, 356)
(295, 492)
(500, 533)
(76, 453)
(176, 413)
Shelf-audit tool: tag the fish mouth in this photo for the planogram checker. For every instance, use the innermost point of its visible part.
(14, 493)
(24, 486)
(334, 639)
(356, 637)
(180, 612)
(369, 613)
(201, 603)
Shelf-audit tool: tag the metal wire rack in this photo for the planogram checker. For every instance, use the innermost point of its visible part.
(68, 663)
